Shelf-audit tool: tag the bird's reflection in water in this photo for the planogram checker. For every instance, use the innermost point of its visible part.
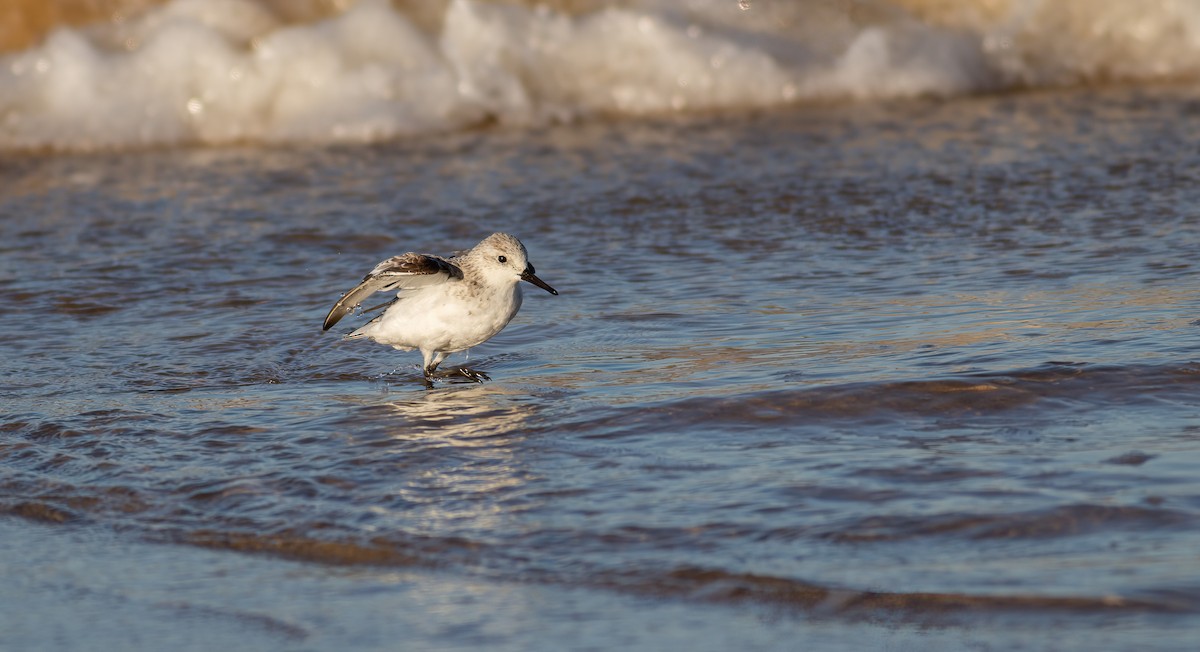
(469, 415)
(453, 460)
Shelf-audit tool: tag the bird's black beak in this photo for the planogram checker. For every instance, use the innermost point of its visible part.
(528, 275)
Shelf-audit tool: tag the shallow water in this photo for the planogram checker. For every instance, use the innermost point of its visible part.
(842, 372)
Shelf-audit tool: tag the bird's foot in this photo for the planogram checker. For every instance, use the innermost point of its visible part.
(477, 376)
(456, 374)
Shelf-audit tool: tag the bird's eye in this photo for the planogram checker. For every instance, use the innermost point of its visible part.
(503, 259)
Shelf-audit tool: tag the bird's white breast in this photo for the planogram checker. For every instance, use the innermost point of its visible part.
(448, 317)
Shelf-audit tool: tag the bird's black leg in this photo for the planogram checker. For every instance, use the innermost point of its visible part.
(431, 364)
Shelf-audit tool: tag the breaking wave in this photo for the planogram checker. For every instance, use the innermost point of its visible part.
(229, 71)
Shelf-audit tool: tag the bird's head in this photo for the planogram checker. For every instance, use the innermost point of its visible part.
(502, 259)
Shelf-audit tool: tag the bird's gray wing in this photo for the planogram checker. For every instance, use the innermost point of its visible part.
(396, 273)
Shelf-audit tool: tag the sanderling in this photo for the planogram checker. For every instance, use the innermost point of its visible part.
(444, 305)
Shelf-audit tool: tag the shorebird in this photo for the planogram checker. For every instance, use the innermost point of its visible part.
(443, 305)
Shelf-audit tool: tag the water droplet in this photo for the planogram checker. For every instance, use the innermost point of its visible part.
(744, 4)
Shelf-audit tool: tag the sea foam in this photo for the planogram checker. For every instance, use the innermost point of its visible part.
(226, 71)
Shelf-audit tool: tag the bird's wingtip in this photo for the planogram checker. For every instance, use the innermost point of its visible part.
(335, 315)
